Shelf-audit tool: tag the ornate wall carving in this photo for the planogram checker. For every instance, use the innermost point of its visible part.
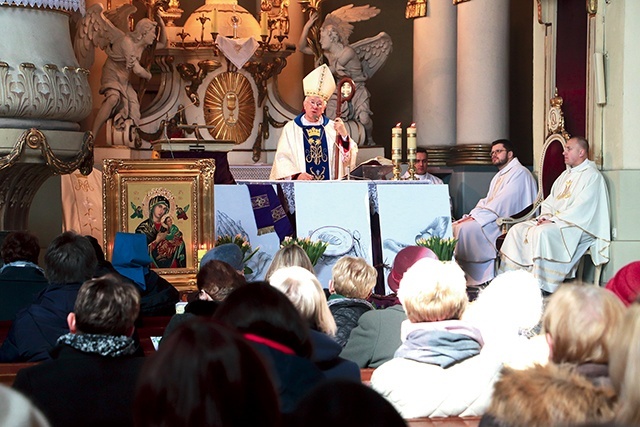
(49, 92)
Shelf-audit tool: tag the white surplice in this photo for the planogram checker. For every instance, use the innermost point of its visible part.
(511, 190)
(579, 208)
(289, 158)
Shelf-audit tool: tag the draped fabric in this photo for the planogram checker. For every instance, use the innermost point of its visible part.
(268, 211)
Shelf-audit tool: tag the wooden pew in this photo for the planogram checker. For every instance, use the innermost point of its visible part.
(8, 371)
(365, 376)
(151, 327)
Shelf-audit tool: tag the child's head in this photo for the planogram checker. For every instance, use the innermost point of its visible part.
(353, 277)
(167, 220)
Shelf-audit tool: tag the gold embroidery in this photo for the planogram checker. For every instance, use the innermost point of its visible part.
(318, 175)
(496, 188)
(566, 193)
(315, 154)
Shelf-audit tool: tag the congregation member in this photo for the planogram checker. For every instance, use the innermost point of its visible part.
(268, 319)
(69, 261)
(626, 283)
(421, 164)
(377, 336)
(306, 148)
(91, 379)
(131, 259)
(344, 404)
(352, 282)
(16, 410)
(288, 256)
(574, 218)
(624, 365)
(215, 281)
(205, 375)
(305, 292)
(575, 386)
(508, 314)
(511, 190)
(21, 278)
(441, 369)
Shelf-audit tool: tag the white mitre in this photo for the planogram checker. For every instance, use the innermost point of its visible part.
(320, 83)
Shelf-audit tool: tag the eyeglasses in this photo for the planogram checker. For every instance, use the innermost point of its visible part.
(317, 104)
(496, 152)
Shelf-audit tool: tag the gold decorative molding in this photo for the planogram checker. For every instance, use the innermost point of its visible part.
(189, 74)
(415, 9)
(51, 93)
(229, 106)
(592, 7)
(35, 139)
(470, 154)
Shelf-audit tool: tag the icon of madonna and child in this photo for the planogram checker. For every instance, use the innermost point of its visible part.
(166, 242)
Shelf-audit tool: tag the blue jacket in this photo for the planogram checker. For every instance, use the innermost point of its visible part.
(326, 356)
(37, 327)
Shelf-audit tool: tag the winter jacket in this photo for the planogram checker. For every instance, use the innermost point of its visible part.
(346, 312)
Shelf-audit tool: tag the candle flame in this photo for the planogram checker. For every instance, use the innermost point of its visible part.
(398, 125)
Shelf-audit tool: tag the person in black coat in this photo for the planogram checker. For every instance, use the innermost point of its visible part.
(69, 261)
(21, 279)
(91, 379)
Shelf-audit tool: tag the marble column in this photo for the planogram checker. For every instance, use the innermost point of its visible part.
(434, 75)
(483, 71)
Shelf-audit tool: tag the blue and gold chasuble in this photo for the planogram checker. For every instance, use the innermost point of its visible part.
(316, 152)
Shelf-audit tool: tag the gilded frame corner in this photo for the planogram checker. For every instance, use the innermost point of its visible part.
(126, 181)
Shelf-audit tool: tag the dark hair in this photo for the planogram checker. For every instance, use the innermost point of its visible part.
(421, 150)
(345, 403)
(97, 248)
(20, 246)
(106, 305)
(70, 258)
(218, 279)
(506, 143)
(205, 375)
(583, 143)
(261, 309)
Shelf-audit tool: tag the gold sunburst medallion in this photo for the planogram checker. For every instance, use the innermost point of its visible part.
(229, 105)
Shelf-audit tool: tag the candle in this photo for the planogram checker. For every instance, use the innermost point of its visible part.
(214, 21)
(396, 142)
(412, 142)
(264, 24)
(201, 253)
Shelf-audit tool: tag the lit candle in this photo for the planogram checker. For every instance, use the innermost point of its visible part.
(396, 142)
(264, 24)
(412, 142)
(214, 21)
(201, 252)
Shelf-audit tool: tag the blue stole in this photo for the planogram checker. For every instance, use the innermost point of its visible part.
(316, 152)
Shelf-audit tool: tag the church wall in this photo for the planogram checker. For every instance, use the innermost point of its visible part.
(45, 216)
(619, 125)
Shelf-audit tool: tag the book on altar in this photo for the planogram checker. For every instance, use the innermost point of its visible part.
(376, 168)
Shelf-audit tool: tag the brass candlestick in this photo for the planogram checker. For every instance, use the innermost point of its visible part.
(396, 155)
(411, 157)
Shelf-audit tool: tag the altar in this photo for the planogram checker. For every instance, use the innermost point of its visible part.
(368, 219)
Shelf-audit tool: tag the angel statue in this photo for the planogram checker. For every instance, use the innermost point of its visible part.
(359, 60)
(109, 30)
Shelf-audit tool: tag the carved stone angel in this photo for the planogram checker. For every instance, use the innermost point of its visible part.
(110, 32)
(359, 61)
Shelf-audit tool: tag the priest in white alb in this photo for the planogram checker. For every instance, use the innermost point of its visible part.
(511, 190)
(574, 218)
(309, 143)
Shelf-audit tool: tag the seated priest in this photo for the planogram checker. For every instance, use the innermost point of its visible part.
(574, 218)
(309, 143)
(511, 190)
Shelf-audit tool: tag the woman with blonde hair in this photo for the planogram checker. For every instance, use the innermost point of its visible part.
(305, 292)
(624, 366)
(288, 256)
(574, 387)
(440, 369)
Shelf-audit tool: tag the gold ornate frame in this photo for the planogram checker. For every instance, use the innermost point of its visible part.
(127, 182)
